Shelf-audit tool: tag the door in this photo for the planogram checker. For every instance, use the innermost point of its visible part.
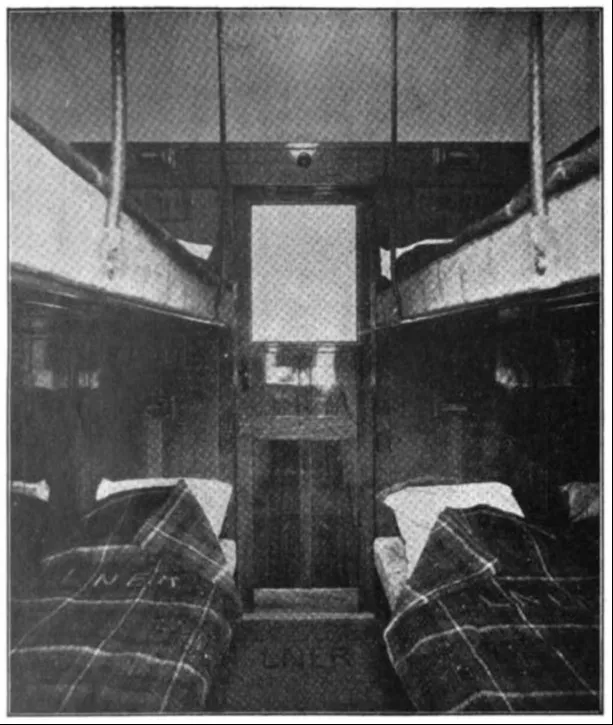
(302, 511)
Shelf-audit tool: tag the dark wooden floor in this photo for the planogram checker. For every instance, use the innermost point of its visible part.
(299, 663)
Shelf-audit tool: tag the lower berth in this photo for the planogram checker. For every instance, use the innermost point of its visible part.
(126, 627)
(498, 615)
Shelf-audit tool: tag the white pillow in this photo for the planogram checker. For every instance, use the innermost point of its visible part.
(417, 508)
(108, 488)
(228, 547)
(212, 495)
(199, 250)
(39, 490)
(583, 500)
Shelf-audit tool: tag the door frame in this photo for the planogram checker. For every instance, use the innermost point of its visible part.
(363, 199)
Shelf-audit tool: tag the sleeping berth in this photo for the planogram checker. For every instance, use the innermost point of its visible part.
(134, 613)
(507, 255)
(133, 609)
(497, 614)
(212, 495)
(64, 245)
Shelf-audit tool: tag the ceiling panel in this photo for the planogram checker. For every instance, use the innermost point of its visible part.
(309, 76)
(306, 75)
(460, 73)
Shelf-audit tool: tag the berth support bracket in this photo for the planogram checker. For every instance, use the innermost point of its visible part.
(544, 243)
(111, 249)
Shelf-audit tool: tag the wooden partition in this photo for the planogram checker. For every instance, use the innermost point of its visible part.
(509, 394)
(101, 392)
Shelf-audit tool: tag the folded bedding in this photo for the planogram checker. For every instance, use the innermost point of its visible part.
(498, 615)
(392, 567)
(131, 623)
(228, 548)
(211, 494)
(35, 489)
(416, 507)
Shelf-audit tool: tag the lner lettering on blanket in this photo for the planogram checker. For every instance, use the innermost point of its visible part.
(129, 580)
(134, 627)
(138, 580)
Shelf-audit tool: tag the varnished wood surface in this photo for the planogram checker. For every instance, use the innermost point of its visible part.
(289, 427)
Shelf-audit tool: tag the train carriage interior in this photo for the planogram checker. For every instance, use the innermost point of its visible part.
(305, 397)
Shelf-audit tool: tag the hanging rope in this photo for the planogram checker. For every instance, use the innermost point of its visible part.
(224, 232)
(119, 119)
(391, 180)
(543, 238)
(537, 141)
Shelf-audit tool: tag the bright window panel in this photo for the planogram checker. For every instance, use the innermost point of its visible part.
(303, 273)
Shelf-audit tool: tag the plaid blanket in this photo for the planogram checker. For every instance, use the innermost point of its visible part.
(499, 615)
(131, 627)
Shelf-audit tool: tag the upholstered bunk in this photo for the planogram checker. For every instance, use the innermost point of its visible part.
(58, 239)
(129, 606)
(510, 253)
(132, 610)
(489, 611)
(492, 608)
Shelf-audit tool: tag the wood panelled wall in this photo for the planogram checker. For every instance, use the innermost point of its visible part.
(441, 187)
(510, 396)
(109, 393)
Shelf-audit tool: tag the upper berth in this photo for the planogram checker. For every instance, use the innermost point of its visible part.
(511, 252)
(58, 239)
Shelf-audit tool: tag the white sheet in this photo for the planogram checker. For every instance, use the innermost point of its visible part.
(392, 567)
(417, 508)
(212, 495)
(386, 257)
(203, 251)
(39, 490)
(228, 546)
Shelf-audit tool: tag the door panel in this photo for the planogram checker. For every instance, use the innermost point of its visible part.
(305, 516)
(334, 514)
(276, 514)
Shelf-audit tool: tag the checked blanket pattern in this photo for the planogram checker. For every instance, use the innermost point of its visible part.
(499, 615)
(129, 627)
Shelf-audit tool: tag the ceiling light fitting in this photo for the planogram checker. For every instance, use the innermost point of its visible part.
(302, 153)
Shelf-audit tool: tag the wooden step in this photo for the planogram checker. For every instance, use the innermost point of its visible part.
(312, 600)
(290, 615)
